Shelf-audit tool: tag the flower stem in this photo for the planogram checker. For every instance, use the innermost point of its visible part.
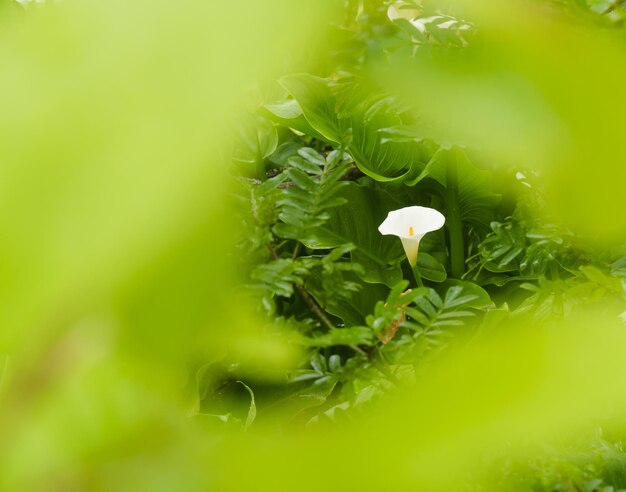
(418, 276)
(455, 227)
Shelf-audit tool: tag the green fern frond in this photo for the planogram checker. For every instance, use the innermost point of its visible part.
(431, 313)
(315, 184)
(279, 276)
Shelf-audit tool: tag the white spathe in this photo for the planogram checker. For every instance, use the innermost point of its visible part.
(411, 224)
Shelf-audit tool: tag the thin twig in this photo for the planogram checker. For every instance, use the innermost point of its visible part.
(315, 309)
(358, 350)
(306, 297)
(296, 251)
(614, 6)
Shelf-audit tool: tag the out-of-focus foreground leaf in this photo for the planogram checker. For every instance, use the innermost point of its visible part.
(115, 268)
(535, 86)
(511, 389)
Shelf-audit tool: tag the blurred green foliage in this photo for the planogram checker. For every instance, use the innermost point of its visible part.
(193, 291)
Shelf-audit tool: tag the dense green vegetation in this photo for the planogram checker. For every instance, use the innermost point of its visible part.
(194, 290)
(323, 163)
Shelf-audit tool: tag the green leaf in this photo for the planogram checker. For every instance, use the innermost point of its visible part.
(256, 140)
(358, 131)
(334, 363)
(270, 185)
(278, 276)
(303, 165)
(356, 222)
(310, 396)
(288, 109)
(318, 363)
(305, 206)
(312, 156)
(435, 169)
(354, 309)
(284, 152)
(317, 105)
(476, 199)
(302, 180)
(252, 409)
(430, 268)
(479, 297)
(289, 114)
(500, 248)
(494, 317)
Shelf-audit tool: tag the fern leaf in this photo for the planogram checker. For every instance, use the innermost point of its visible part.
(316, 185)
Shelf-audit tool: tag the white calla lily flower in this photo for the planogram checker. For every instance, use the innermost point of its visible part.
(411, 224)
